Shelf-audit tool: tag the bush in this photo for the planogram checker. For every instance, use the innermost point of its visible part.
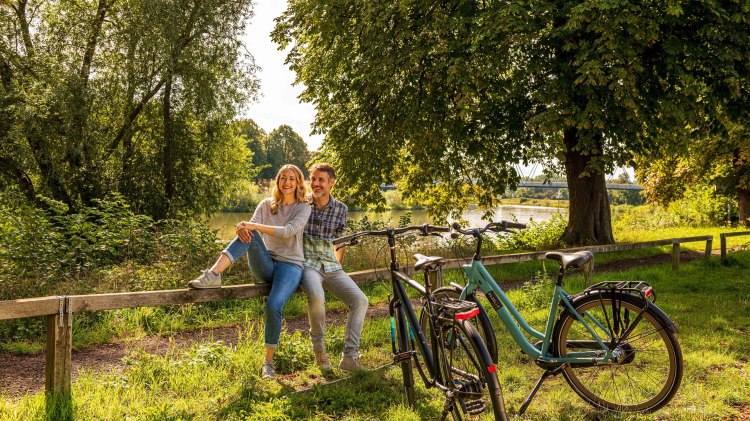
(544, 235)
(699, 207)
(244, 197)
(42, 248)
(54, 243)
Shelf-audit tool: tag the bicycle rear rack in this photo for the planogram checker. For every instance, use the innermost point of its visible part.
(638, 288)
(452, 309)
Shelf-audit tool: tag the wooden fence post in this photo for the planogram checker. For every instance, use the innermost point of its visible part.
(709, 247)
(59, 349)
(675, 257)
(723, 247)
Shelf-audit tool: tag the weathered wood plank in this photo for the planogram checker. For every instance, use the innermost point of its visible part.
(28, 307)
(114, 301)
(735, 234)
(43, 306)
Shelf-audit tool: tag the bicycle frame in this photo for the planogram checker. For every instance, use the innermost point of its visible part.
(414, 328)
(480, 278)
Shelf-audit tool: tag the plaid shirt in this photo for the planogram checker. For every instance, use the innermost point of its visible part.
(325, 224)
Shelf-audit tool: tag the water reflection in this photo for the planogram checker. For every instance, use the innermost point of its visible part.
(225, 222)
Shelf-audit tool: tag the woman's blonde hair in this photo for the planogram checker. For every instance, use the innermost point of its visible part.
(301, 192)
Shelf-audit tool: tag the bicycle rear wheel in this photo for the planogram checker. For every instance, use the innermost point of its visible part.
(649, 371)
(481, 322)
(467, 369)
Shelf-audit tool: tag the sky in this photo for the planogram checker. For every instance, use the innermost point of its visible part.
(277, 103)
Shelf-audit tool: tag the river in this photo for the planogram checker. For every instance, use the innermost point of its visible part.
(226, 221)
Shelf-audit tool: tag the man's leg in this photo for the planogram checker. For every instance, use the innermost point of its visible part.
(312, 284)
(341, 286)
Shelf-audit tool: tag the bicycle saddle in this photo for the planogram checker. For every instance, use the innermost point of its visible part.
(570, 260)
(428, 262)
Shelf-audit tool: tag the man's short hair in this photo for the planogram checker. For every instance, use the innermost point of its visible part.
(322, 166)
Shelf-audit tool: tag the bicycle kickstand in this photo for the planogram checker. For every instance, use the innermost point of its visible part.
(545, 375)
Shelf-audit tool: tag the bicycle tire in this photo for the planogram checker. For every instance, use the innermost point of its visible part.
(651, 370)
(482, 321)
(467, 368)
(403, 343)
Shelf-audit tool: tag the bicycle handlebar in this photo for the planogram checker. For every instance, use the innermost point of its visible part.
(502, 226)
(425, 229)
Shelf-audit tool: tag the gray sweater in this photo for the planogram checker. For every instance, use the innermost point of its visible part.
(286, 245)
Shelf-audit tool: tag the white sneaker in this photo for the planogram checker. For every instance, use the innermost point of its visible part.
(321, 358)
(350, 364)
(267, 370)
(207, 280)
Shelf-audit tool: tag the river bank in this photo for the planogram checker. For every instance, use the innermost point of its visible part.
(225, 222)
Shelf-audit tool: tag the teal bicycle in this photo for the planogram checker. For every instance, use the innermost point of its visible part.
(614, 346)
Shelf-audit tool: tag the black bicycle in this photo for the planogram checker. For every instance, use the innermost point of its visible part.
(448, 352)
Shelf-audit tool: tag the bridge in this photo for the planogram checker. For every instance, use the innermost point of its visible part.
(553, 185)
(564, 185)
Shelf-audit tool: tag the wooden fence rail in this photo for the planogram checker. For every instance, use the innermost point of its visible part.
(59, 309)
(723, 236)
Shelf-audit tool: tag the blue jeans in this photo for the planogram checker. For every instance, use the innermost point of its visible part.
(283, 276)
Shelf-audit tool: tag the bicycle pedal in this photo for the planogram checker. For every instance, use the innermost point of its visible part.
(404, 356)
(475, 407)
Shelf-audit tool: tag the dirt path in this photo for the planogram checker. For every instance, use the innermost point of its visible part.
(22, 374)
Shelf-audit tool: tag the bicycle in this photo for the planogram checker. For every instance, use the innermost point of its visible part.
(615, 348)
(454, 360)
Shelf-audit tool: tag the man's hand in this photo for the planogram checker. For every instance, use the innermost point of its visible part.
(340, 254)
(243, 231)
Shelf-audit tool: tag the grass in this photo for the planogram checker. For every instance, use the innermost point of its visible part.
(709, 302)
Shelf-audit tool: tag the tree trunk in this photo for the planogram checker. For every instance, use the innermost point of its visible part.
(742, 178)
(167, 161)
(589, 219)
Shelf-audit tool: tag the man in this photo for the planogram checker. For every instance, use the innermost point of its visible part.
(323, 271)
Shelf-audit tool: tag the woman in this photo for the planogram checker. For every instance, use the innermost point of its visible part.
(276, 257)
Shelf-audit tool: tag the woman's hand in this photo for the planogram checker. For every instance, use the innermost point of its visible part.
(243, 231)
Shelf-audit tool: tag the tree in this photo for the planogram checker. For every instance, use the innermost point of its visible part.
(255, 137)
(135, 96)
(284, 146)
(447, 96)
(718, 148)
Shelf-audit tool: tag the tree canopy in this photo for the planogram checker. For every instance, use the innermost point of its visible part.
(446, 97)
(273, 150)
(130, 96)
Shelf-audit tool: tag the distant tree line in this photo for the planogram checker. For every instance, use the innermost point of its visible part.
(272, 150)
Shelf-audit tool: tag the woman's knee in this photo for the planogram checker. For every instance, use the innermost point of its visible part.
(274, 307)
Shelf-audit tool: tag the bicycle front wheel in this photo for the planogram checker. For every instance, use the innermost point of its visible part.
(403, 349)
(649, 368)
(468, 371)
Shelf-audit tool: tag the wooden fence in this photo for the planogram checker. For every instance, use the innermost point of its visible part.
(59, 310)
(723, 236)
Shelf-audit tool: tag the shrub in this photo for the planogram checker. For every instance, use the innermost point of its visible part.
(54, 243)
(244, 197)
(699, 207)
(545, 235)
(42, 248)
